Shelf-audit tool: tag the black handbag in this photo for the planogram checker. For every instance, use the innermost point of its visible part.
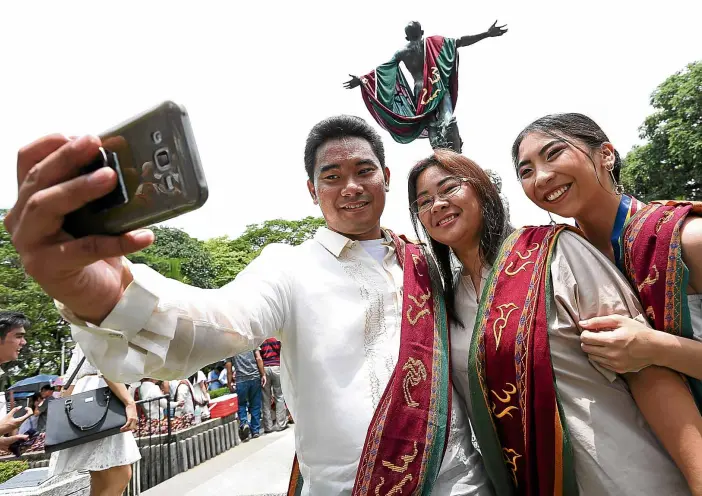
(83, 417)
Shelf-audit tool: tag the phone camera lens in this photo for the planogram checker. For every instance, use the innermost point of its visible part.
(162, 159)
(156, 137)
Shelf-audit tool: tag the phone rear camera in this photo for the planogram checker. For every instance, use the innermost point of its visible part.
(162, 159)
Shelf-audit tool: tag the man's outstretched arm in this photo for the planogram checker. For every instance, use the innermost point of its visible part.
(355, 81)
(494, 30)
(164, 329)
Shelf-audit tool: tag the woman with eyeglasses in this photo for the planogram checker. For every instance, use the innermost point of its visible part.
(548, 420)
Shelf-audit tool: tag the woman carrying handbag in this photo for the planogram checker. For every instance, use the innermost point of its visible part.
(108, 459)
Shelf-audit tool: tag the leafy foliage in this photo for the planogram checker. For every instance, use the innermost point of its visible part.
(9, 469)
(231, 256)
(216, 393)
(175, 254)
(291, 232)
(669, 165)
(19, 292)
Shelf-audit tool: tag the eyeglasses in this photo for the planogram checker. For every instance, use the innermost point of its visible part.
(425, 202)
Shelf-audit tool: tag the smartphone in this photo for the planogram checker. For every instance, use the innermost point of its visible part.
(21, 412)
(159, 175)
(18, 447)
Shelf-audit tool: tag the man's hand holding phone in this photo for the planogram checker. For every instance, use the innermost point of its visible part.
(74, 185)
(14, 419)
(85, 274)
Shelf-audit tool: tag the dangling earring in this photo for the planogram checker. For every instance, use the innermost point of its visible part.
(553, 222)
(618, 188)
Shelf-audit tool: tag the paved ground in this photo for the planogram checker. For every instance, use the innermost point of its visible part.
(260, 467)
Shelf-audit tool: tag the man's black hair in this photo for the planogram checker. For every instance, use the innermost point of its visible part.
(340, 127)
(10, 321)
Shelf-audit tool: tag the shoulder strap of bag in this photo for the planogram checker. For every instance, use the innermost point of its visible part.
(74, 374)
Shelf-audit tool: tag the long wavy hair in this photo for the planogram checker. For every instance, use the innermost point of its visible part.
(494, 225)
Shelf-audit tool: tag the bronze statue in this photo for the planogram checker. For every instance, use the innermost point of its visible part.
(426, 110)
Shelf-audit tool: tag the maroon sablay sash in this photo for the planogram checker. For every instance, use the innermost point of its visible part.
(653, 263)
(406, 439)
(407, 436)
(653, 260)
(517, 416)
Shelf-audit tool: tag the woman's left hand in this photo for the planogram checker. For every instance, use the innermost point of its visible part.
(618, 343)
(132, 418)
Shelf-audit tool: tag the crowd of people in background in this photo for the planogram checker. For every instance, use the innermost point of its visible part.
(150, 403)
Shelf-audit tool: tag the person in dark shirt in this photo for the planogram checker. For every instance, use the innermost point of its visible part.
(47, 394)
(249, 376)
(270, 353)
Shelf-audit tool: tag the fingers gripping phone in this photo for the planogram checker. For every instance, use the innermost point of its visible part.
(18, 447)
(159, 175)
(21, 412)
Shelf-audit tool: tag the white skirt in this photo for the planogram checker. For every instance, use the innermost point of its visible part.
(108, 452)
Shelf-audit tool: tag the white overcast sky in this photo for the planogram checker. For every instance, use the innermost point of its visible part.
(255, 76)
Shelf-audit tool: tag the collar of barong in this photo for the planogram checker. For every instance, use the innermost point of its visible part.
(652, 261)
(407, 436)
(518, 420)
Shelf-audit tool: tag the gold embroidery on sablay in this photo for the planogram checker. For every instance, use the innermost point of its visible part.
(423, 298)
(416, 373)
(399, 469)
(421, 314)
(437, 76)
(650, 279)
(531, 250)
(432, 97)
(522, 267)
(502, 321)
(666, 217)
(512, 462)
(417, 260)
(506, 399)
(425, 92)
(406, 460)
(396, 489)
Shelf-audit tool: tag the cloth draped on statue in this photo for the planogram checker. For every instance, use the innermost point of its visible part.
(649, 252)
(390, 98)
(407, 436)
(517, 416)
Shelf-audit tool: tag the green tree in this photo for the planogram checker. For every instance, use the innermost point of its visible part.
(231, 256)
(227, 261)
(19, 292)
(178, 255)
(291, 232)
(669, 165)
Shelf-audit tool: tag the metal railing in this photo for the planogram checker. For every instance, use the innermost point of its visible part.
(154, 436)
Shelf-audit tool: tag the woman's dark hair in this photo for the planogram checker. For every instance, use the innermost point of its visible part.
(494, 222)
(568, 127)
(340, 127)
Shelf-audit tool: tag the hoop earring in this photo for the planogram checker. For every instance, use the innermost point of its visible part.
(553, 222)
(618, 188)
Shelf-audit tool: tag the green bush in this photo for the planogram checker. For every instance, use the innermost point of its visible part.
(219, 392)
(9, 469)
